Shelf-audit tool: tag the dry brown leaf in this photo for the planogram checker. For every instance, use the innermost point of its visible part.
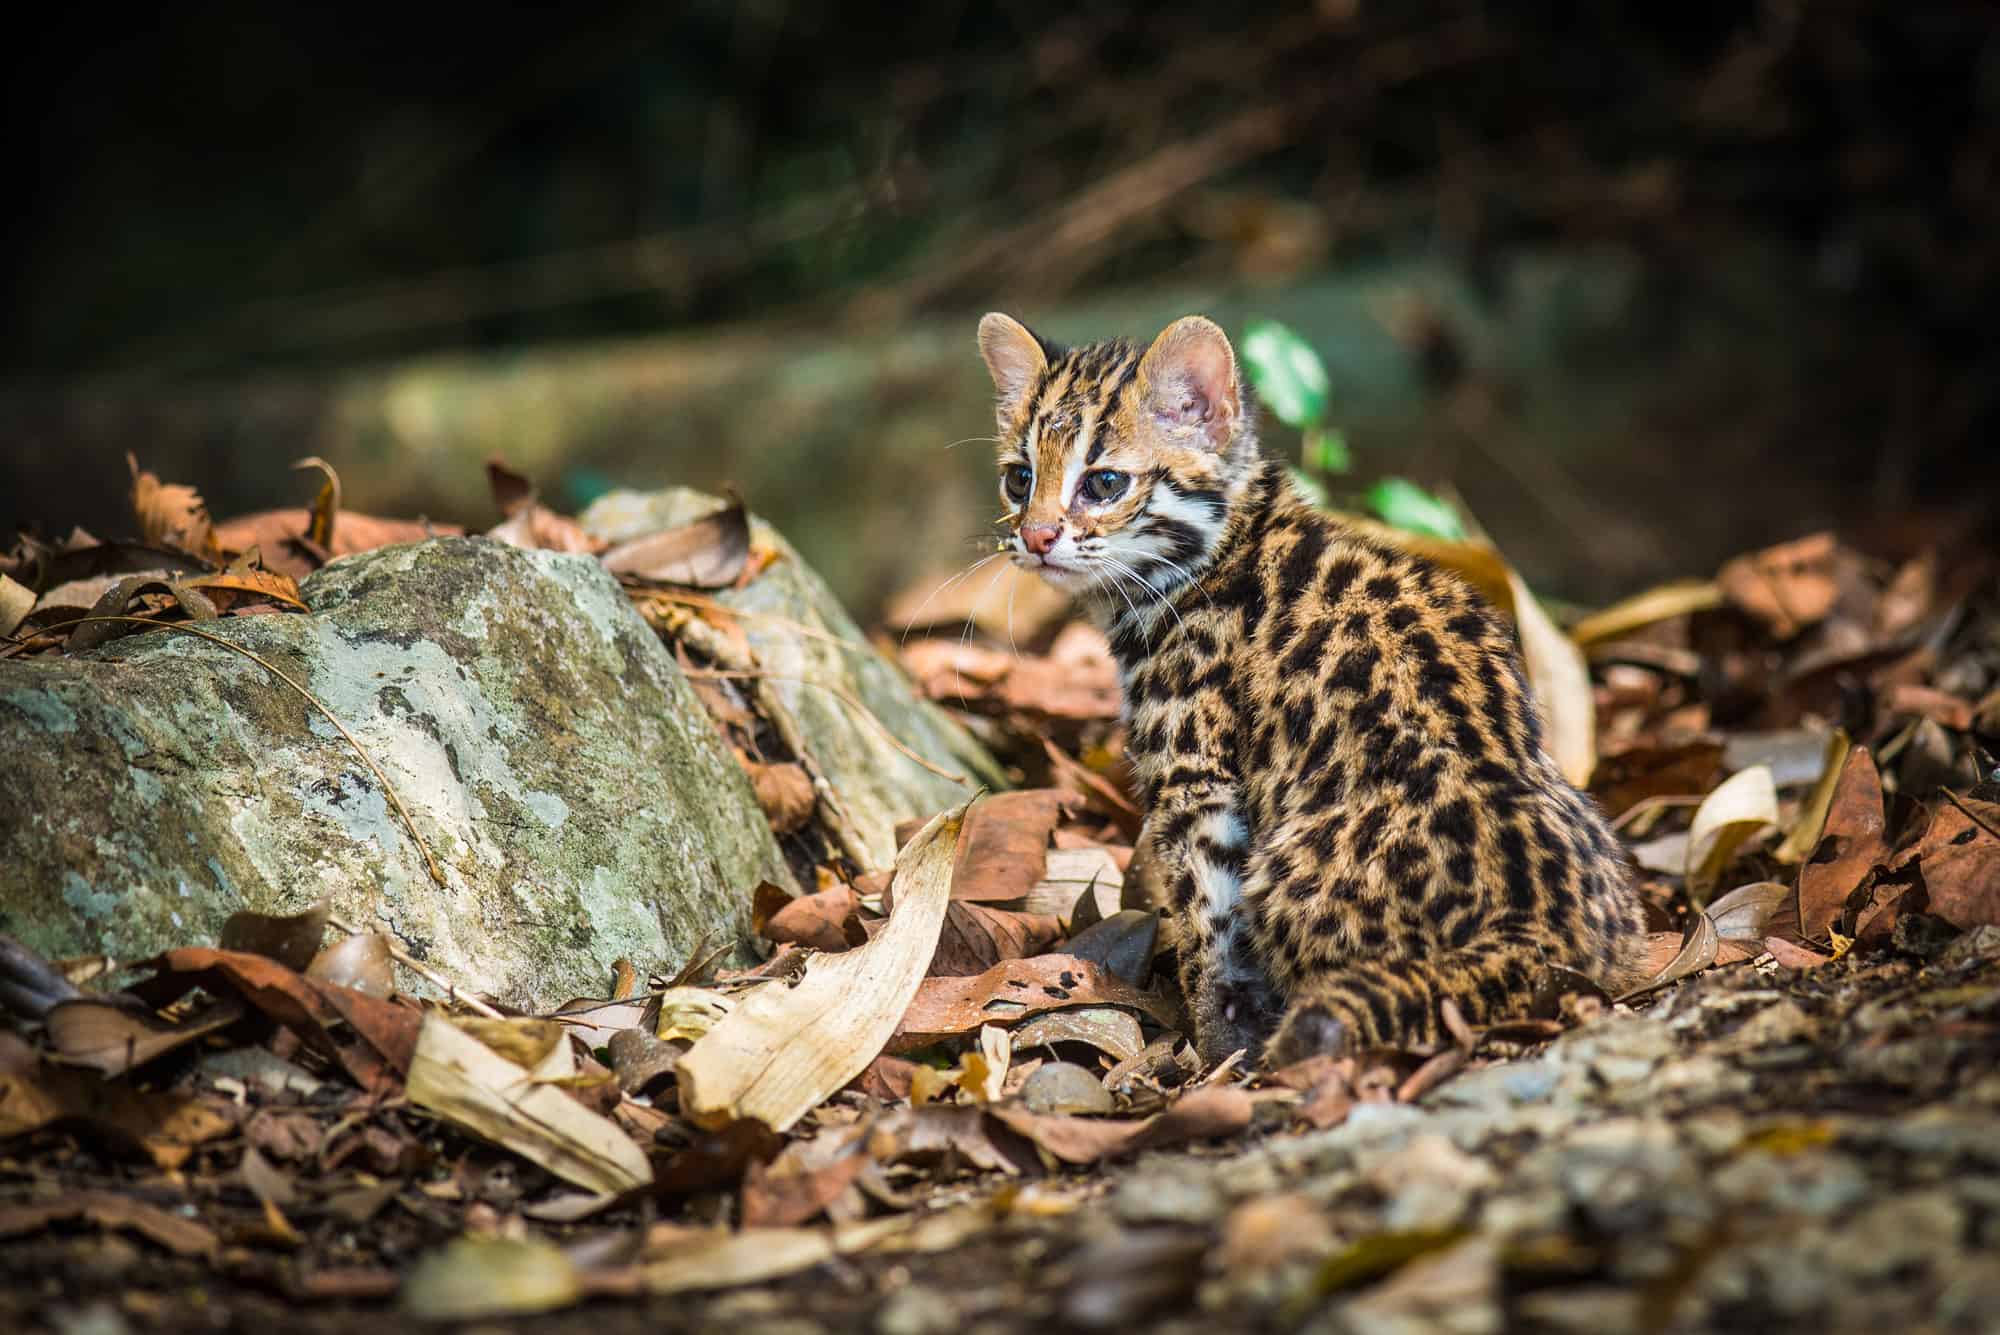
(1849, 847)
(281, 535)
(167, 1127)
(1011, 992)
(1792, 955)
(371, 1038)
(1696, 951)
(253, 584)
(1787, 587)
(975, 937)
(824, 921)
(710, 553)
(1007, 843)
(290, 939)
(1811, 823)
(171, 514)
(785, 794)
(363, 962)
(183, 1237)
(111, 1035)
(1207, 1113)
(457, 1077)
(784, 1049)
(1959, 857)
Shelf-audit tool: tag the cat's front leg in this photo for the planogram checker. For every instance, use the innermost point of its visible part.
(1200, 844)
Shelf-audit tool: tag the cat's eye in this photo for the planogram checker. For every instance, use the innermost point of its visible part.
(1104, 484)
(1017, 479)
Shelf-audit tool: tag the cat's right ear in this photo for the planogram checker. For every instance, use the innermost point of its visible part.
(1015, 359)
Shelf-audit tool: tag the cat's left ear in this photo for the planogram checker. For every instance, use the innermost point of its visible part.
(1015, 358)
(1189, 376)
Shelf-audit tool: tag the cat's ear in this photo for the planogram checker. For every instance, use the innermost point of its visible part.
(1189, 378)
(1015, 358)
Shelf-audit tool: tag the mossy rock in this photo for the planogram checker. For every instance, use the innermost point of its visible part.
(567, 779)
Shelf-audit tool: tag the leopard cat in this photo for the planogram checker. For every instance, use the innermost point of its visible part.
(1348, 808)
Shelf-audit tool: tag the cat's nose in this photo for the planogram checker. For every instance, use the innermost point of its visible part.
(1038, 538)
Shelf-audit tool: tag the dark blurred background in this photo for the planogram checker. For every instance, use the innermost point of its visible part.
(1644, 284)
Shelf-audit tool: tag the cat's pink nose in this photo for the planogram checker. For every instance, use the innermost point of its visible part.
(1038, 538)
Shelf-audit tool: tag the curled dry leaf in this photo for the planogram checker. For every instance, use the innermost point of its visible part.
(170, 514)
(290, 939)
(362, 962)
(252, 584)
(16, 601)
(1806, 830)
(784, 1049)
(1013, 991)
(1107, 1028)
(1744, 804)
(111, 1035)
(1745, 912)
(709, 553)
(1697, 951)
(462, 1080)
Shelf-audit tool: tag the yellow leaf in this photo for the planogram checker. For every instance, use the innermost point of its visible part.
(1744, 804)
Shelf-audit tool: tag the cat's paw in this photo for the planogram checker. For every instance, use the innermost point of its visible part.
(1309, 1030)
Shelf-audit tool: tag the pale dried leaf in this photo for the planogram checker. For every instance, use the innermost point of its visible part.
(1744, 804)
(463, 1081)
(1661, 603)
(473, 1277)
(16, 601)
(784, 1049)
(1806, 830)
(724, 1260)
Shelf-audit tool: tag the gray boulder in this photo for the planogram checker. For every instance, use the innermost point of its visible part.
(568, 781)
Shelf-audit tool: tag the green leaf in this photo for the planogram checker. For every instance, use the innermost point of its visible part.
(1325, 450)
(1403, 503)
(1286, 373)
(1309, 488)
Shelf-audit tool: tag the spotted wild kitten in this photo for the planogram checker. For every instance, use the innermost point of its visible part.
(1347, 802)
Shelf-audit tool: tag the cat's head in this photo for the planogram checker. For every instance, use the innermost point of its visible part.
(1118, 467)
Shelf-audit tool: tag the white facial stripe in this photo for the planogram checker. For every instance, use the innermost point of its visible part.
(1073, 463)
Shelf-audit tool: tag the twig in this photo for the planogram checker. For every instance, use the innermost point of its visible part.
(425, 972)
(846, 698)
(388, 788)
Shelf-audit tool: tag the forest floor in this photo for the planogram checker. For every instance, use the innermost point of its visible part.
(1795, 1125)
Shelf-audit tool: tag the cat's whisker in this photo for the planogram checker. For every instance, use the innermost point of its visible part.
(965, 636)
(917, 618)
(968, 440)
(1118, 587)
(1158, 597)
